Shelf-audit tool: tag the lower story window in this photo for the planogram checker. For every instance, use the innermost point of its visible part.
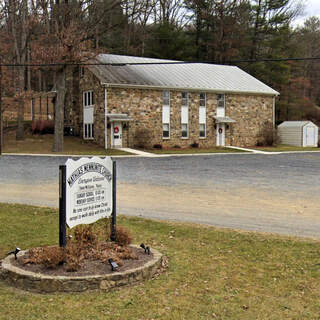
(88, 131)
(165, 130)
(202, 130)
(184, 130)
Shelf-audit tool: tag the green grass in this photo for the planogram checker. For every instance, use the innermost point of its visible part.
(42, 144)
(193, 150)
(212, 274)
(283, 147)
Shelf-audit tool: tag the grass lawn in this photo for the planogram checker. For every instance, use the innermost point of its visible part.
(283, 147)
(42, 144)
(193, 150)
(212, 274)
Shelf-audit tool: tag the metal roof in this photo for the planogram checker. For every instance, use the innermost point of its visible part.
(295, 124)
(159, 74)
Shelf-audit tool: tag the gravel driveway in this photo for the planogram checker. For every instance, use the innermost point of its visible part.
(270, 193)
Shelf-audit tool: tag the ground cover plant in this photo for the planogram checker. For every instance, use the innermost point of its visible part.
(212, 274)
(42, 144)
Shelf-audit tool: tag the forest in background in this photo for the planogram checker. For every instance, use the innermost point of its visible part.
(245, 33)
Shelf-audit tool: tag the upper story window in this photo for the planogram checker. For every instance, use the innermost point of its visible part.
(203, 99)
(88, 98)
(81, 71)
(166, 114)
(184, 114)
(202, 115)
(220, 105)
(166, 98)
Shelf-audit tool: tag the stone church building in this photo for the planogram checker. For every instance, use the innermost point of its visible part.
(133, 101)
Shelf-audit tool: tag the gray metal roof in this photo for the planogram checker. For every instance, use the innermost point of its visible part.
(295, 124)
(189, 76)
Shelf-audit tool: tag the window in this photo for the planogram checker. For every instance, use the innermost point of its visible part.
(166, 114)
(202, 130)
(166, 98)
(88, 98)
(165, 130)
(220, 105)
(202, 115)
(184, 130)
(81, 72)
(202, 99)
(88, 131)
(88, 119)
(184, 115)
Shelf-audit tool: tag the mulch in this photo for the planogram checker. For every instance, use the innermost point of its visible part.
(88, 268)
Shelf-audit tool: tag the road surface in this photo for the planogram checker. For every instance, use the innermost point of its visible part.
(269, 193)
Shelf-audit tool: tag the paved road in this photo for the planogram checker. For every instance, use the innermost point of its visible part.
(271, 193)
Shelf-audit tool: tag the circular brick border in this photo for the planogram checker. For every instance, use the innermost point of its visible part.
(37, 282)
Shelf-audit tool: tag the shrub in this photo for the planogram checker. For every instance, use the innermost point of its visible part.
(157, 146)
(268, 135)
(42, 126)
(50, 257)
(194, 145)
(123, 237)
(85, 236)
(142, 138)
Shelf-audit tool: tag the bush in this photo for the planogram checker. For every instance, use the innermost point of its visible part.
(157, 146)
(142, 138)
(123, 236)
(194, 145)
(268, 135)
(42, 126)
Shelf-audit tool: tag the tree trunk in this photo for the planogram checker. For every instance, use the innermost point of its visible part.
(20, 118)
(59, 110)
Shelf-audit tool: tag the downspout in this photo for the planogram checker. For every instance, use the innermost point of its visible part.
(274, 112)
(105, 119)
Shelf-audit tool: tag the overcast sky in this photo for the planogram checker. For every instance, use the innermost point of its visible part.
(312, 8)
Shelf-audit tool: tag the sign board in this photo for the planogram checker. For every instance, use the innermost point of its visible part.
(88, 190)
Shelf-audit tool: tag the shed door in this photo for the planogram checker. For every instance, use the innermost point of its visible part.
(310, 132)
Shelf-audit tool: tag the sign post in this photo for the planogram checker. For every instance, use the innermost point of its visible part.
(87, 193)
(113, 235)
(62, 206)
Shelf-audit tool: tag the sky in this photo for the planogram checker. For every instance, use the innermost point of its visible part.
(312, 8)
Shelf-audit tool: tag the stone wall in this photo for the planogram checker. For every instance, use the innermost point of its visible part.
(144, 106)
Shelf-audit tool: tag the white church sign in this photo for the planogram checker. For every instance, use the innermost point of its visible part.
(88, 190)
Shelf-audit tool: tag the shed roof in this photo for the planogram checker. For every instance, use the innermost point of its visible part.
(170, 74)
(295, 124)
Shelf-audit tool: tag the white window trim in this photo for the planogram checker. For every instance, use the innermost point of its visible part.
(168, 123)
(183, 107)
(85, 96)
(205, 117)
(88, 96)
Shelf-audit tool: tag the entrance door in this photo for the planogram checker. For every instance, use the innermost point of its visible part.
(220, 135)
(310, 136)
(117, 134)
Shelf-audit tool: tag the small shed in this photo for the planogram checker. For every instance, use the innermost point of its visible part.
(298, 133)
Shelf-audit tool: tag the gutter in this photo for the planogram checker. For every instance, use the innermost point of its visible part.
(140, 86)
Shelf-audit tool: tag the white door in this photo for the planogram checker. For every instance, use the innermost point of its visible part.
(117, 134)
(220, 135)
(310, 132)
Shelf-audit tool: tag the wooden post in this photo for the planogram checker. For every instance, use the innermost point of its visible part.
(62, 206)
(113, 236)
